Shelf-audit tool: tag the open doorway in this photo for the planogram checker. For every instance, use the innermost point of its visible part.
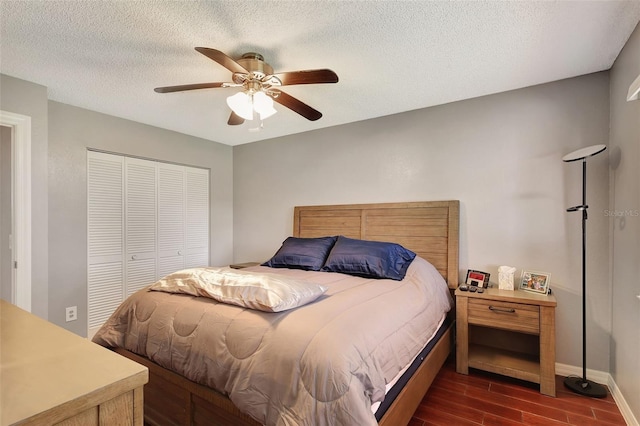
(19, 160)
(7, 278)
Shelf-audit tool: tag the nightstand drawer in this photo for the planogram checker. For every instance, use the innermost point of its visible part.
(505, 315)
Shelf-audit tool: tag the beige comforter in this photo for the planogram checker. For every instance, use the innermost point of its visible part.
(324, 363)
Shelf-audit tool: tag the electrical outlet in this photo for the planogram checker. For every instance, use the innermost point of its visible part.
(72, 313)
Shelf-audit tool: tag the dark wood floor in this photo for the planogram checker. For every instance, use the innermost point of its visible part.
(486, 399)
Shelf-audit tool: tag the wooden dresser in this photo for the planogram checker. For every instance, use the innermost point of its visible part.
(50, 376)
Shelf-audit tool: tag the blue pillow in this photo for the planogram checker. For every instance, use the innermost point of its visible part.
(302, 253)
(370, 259)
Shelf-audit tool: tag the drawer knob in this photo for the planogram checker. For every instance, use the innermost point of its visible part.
(504, 310)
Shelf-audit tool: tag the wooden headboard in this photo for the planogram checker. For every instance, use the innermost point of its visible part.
(428, 228)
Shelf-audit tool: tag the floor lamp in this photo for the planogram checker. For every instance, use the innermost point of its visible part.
(580, 384)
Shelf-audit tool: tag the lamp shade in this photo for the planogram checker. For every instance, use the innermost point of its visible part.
(263, 105)
(583, 153)
(241, 104)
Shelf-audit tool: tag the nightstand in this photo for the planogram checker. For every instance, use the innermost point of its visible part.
(507, 332)
(243, 265)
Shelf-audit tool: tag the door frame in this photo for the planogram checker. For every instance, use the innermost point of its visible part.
(21, 199)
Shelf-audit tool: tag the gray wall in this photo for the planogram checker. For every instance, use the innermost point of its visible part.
(26, 98)
(499, 155)
(71, 131)
(625, 224)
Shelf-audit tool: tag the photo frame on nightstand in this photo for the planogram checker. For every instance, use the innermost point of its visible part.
(537, 282)
(477, 278)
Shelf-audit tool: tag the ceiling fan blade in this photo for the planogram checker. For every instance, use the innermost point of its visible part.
(235, 119)
(222, 59)
(297, 106)
(197, 86)
(307, 77)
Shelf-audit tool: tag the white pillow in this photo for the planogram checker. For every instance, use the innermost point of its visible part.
(264, 292)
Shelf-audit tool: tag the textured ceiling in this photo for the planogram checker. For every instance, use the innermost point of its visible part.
(391, 56)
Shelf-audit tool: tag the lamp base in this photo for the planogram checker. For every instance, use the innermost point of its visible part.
(585, 387)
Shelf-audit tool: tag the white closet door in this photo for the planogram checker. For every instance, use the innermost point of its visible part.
(145, 220)
(105, 221)
(171, 218)
(197, 226)
(140, 220)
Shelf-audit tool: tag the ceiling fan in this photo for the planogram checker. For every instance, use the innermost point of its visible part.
(260, 86)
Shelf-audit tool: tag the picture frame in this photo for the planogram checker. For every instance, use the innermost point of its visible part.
(477, 278)
(537, 282)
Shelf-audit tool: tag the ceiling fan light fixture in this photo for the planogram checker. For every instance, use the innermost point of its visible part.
(259, 83)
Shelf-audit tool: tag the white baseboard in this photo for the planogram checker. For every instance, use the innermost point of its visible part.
(604, 378)
(595, 375)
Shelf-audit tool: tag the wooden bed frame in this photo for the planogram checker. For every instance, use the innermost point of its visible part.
(429, 228)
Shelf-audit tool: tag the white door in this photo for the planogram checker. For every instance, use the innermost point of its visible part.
(171, 218)
(197, 227)
(140, 224)
(105, 220)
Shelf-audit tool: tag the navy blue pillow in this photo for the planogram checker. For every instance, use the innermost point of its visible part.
(371, 259)
(302, 253)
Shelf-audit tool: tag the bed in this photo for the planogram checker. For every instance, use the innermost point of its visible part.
(429, 229)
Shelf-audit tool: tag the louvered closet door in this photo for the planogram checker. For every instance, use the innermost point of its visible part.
(140, 224)
(105, 220)
(171, 218)
(197, 226)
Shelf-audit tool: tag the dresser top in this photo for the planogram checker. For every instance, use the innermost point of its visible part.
(43, 366)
